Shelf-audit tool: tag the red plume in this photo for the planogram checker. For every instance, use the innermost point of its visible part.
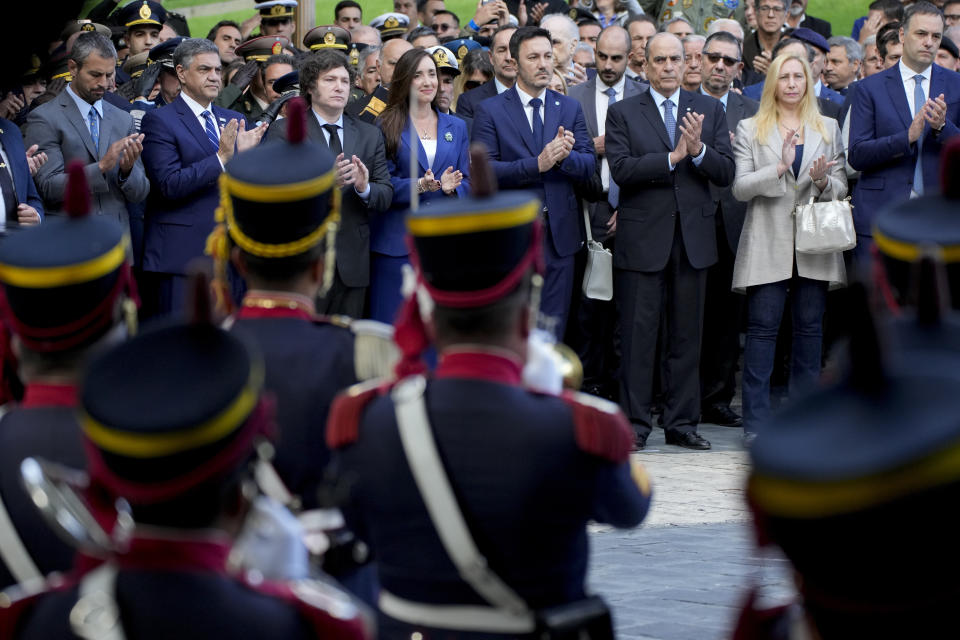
(483, 181)
(950, 170)
(296, 120)
(76, 197)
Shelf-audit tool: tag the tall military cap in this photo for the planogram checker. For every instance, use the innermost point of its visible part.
(63, 279)
(277, 200)
(262, 47)
(327, 37)
(163, 53)
(391, 25)
(444, 58)
(76, 26)
(927, 225)
(276, 9)
(849, 472)
(461, 47)
(142, 12)
(174, 408)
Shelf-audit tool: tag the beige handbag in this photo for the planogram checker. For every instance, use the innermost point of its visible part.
(598, 277)
(825, 227)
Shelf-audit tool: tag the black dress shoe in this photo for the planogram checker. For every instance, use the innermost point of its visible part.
(721, 415)
(688, 439)
(639, 442)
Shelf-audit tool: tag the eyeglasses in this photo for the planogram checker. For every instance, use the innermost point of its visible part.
(714, 58)
(770, 10)
(951, 17)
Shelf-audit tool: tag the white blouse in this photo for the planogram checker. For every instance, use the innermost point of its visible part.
(430, 149)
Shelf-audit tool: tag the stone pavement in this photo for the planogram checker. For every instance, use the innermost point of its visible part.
(684, 573)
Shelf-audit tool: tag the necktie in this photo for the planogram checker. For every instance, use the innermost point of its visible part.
(94, 121)
(211, 130)
(670, 121)
(334, 143)
(918, 101)
(9, 195)
(537, 123)
(613, 193)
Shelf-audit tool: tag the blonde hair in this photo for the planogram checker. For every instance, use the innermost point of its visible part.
(768, 115)
(563, 81)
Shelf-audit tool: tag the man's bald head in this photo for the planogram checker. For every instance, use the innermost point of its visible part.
(392, 50)
(615, 37)
(365, 34)
(613, 51)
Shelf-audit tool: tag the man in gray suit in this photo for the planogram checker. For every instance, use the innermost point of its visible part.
(593, 322)
(325, 81)
(723, 309)
(80, 124)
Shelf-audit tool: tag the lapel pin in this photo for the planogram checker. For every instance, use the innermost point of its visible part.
(557, 103)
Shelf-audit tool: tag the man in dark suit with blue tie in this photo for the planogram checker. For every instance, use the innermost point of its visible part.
(186, 145)
(900, 119)
(542, 150)
(665, 147)
(504, 73)
(19, 199)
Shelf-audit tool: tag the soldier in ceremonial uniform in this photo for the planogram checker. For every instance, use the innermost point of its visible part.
(171, 423)
(854, 481)
(252, 103)
(143, 20)
(369, 107)
(66, 284)
(276, 18)
(530, 468)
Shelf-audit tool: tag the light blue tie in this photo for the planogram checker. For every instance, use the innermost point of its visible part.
(211, 130)
(94, 119)
(613, 193)
(670, 121)
(918, 101)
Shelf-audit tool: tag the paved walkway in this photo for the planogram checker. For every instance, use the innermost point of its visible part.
(683, 575)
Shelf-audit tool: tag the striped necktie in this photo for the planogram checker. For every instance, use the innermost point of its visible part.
(211, 130)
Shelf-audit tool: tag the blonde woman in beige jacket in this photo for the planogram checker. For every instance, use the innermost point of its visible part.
(785, 155)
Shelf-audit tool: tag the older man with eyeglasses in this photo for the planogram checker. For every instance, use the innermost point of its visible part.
(758, 47)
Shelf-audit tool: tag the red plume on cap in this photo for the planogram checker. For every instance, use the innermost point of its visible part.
(76, 197)
(950, 170)
(296, 120)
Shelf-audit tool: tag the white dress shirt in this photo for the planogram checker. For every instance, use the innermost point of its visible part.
(525, 99)
(365, 194)
(499, 85)
(909, 86)
(602, 101)
(675, 99)
(3, 203)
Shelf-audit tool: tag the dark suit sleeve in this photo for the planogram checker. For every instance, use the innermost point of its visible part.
(582, 161)
(510, 174)
(866, 149)
(624, 167)
(463, 159)
(161, 159)
(275, 132)
(618, 499)
(381, 187)
(465, 104)
(717, 164)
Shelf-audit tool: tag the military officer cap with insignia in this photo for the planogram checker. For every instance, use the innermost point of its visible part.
(927, 225)
(391, 25)
(66, 280)
(327, 37)
(287, 82)
(143, 12)
(461, 47)
(163, 53)
(135, 64)
(276, 8)
(354, 51)
(262, 47)
(444, 59)
(579, 14)
(57, 66)
(295, 175)
(76, 26)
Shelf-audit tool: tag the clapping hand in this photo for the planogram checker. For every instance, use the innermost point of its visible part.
(450, 180)
(249, 138)
(935, 112)
(818, 171)
(429, 182)
(788, 153)
(761, 62)
(691, 128)
(130, 152)
(35, 160)
(556, 150)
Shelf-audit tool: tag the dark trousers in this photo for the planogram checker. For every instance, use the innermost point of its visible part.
(557, 287)
(677, 291)
(162, 294)
(343, 300)
(765, 304)
(594, 333)
(722, 319)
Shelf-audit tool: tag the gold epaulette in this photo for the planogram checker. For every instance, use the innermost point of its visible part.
(375, 107)
(374, 353)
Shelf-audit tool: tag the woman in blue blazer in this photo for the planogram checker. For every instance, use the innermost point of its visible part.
(442, 170)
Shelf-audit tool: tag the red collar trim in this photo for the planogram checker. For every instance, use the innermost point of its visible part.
(478, 363)
(261, 304)
(189, 551)
(49, 395)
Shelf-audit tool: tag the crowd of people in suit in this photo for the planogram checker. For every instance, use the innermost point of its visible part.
(335, 174)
